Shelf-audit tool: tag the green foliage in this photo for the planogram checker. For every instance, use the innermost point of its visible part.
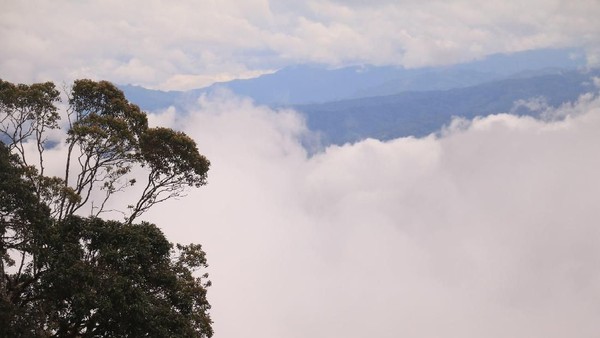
(24, 223)
(27, 112)
(66, 275)
(106, 123)
(115, 279)
(173, 164)
(171, 153)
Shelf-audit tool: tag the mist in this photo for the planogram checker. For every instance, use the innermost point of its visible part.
(489, 228)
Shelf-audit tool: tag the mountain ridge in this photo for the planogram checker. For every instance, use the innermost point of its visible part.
(419, 113)
(312, 83)
(352, 103)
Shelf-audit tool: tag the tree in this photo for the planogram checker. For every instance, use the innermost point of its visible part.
(24, 221)
(67, 274)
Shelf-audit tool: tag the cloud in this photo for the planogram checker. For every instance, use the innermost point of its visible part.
(489, 230)
(194, 43)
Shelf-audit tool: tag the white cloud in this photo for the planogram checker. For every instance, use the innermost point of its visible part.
(193, 43)
(490, 230)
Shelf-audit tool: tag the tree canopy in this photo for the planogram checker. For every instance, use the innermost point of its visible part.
(66, 272)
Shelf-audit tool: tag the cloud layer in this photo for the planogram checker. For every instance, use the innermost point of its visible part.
(490, 230)
(194, 43)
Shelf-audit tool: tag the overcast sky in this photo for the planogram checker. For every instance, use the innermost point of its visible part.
(190, 44)
(490, 230)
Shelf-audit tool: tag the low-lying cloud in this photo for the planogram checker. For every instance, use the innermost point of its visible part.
(490, 230)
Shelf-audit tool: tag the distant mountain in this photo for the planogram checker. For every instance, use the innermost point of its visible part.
(421, 113)
(353, 103)
(149, 99)
(316, 84)
(304, 84)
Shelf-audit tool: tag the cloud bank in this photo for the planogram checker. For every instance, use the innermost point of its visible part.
(182, 45)
(490, 230)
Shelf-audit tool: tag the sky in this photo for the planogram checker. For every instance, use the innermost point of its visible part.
(487, 229)
(181, 44)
